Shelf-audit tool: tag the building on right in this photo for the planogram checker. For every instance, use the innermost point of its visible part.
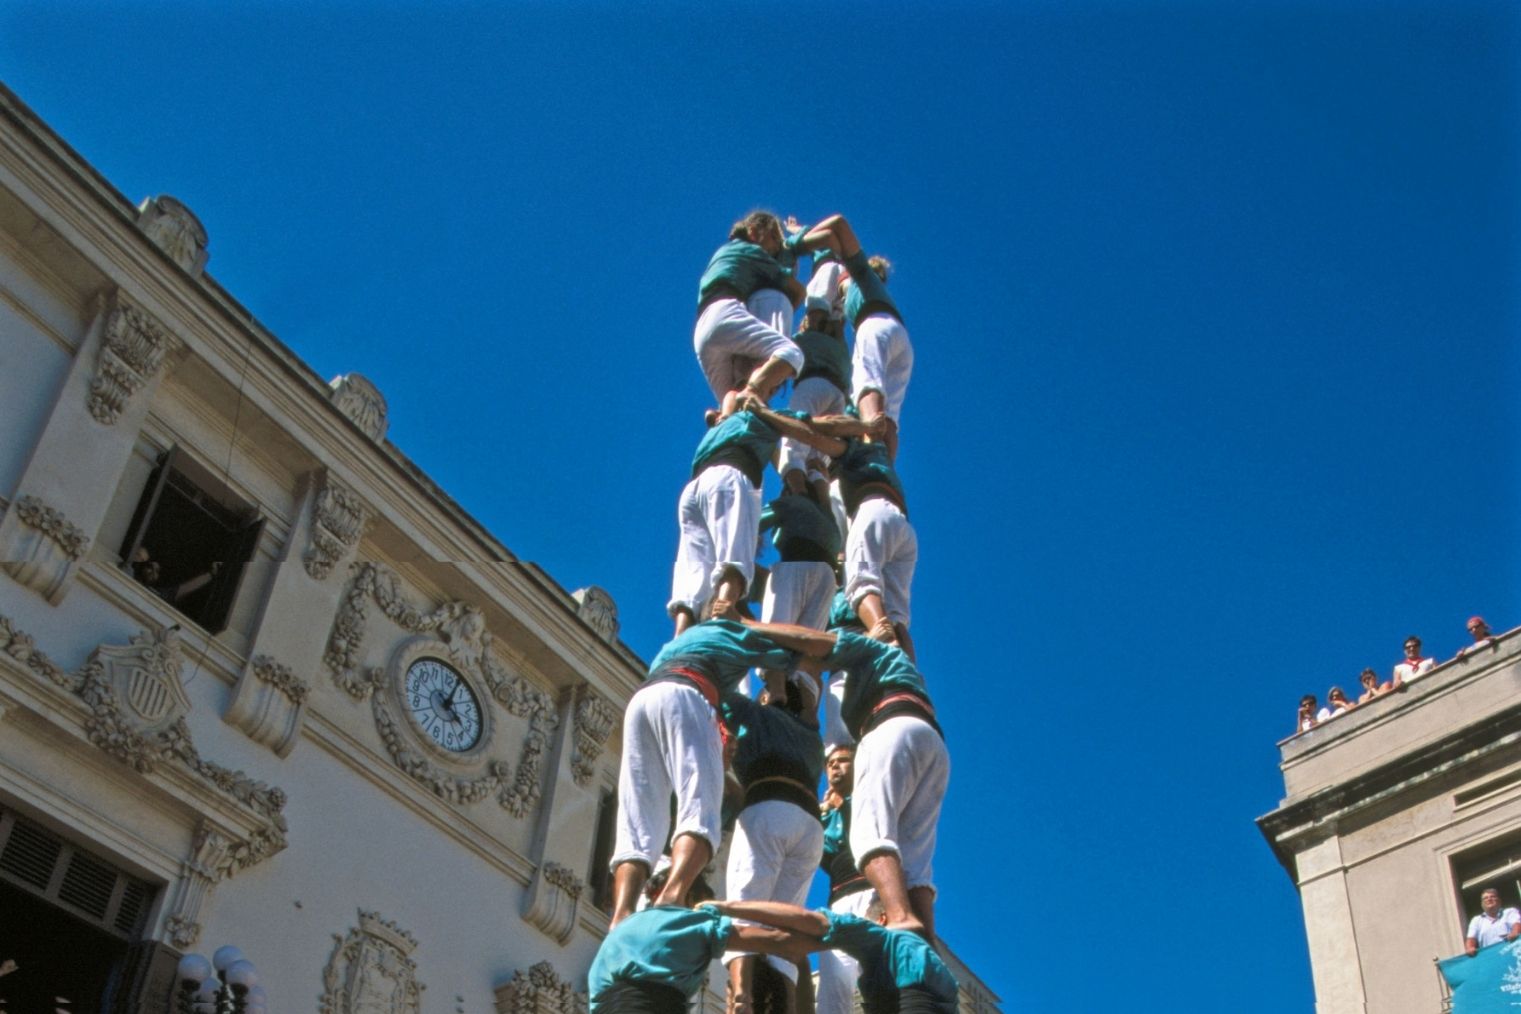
(1396, 816)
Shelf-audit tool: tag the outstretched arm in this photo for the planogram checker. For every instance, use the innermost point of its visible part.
(788, 426)
(803, 640)
(836, 233)
(776, 913)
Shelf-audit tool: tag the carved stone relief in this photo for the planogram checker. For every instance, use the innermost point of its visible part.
(360, 400)
(551, 900)
(50, 522)
(42, 547)
(600, 612)
(371, 970)
(594, 719)
(174, 230)
(460, 631)
(210, 861)
(132, 350)
(136, 714)
(269, 704)
(339, 518)
(539, 991)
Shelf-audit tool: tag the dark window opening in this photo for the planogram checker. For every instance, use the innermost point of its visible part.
(190, 541)
(600, 877)
(1494, 864)
(71, 923)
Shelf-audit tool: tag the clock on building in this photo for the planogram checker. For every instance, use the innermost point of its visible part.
(442, 705)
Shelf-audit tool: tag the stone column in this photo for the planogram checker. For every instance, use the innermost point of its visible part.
(1334, 962)
(78, 462)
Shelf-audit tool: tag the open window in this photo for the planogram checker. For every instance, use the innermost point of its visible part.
(190, 540)
(1494, 864)
(599, 877)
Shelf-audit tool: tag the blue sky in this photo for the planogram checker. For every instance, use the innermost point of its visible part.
(1213, 307)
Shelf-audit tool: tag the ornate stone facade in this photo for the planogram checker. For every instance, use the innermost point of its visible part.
(33, 513)
(552, 899)
(339, 518)
(371, 970)
(539, 991)
(175, 230)
(362, 402)
(600, 612)
(594, 720)
(269, 704)
(132, 350)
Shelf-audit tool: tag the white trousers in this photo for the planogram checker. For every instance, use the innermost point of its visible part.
(835, 733)
(725, 332)
(881, 551)
(670, 744)
(825, 284)
(902, 769)
(773, 854)
(773, 308)
(838, 971)
(800, 592)
(883, 361)
(718, 519)
(817, 397)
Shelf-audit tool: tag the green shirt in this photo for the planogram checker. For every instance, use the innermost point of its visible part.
(664, 944)
(873, 671)
(804, 530)
(891, 960)
(743, 267)
(862, 466)
(743, 440)
(825, 356)
(843, 617)
(869, 293)
(772, 742)
(722, 651)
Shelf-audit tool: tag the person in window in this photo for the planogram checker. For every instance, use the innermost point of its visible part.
(1371, 686)
(1494, 925)
(149, 573)
(1414, 665)
(1336, 704)
(1479, 631)
(1306, 720)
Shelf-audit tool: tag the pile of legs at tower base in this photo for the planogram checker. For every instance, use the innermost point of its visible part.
(833, 637)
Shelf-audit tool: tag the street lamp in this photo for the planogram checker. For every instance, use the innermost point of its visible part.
(233, 989)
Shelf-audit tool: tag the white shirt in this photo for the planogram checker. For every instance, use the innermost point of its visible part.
(1476, 646)
(1492, 931)
(1406, 672)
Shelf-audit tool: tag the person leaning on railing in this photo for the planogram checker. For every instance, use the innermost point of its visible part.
(1494, 925)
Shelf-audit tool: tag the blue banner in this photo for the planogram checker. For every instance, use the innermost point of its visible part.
(1487, 983)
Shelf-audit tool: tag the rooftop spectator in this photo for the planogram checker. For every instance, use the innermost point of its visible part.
(1336, 704)
(1494, 925)
(1479, 631)
(1414, 666)
(1307, 719)
(1371, 686)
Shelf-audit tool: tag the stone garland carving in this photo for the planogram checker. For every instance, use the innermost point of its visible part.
(564, 878)
(51, 523)
(280, 676)
(551, 900)
(371, 970)
(359, 399)
(175, 230)
(539, 991)
(131, 352)
(338, 522)
(597, 608)
(136, 715)
(462, 628)
(594, 717)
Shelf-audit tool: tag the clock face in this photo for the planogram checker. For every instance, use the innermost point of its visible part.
(442, 705)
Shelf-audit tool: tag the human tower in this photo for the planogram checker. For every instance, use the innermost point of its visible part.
(699, 754)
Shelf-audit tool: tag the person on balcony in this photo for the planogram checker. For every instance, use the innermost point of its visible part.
(1494, 925)
(1414, 666)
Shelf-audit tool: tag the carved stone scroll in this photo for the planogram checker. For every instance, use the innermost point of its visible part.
(539, 991)
(550, 903)
(209, 861)
(137, 715)
(41, 549)
(356, 397)
(269, 704)
(175, 230)
(594, 718)
(132, 350)
(50, 522)
(339, 518)
(371, 970)
(598, 609)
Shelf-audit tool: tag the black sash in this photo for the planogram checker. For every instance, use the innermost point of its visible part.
(641, 997)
